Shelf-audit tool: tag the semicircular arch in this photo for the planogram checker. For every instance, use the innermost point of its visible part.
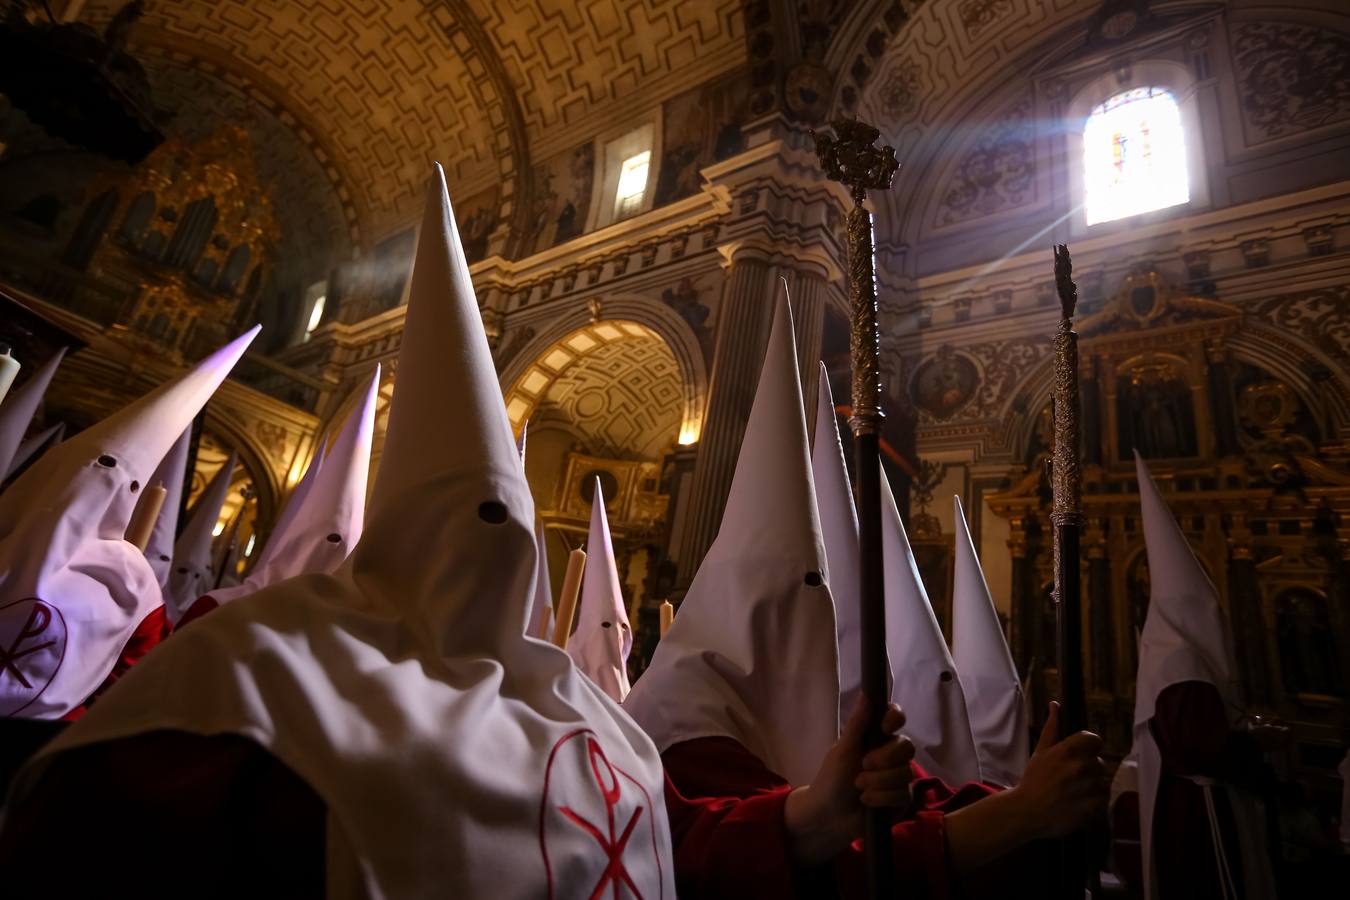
(652, 315)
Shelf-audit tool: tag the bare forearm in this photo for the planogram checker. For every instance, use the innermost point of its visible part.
(990, 828)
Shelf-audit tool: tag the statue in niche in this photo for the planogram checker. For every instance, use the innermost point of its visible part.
(1155, 416)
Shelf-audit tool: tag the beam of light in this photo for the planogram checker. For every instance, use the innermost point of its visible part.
(991, 267)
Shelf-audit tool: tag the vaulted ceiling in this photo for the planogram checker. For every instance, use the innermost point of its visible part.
(375, 89)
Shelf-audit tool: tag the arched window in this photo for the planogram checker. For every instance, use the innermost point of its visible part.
(1134, 155)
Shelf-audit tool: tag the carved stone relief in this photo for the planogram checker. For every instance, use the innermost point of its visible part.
(1291, 77)
(1322, 317)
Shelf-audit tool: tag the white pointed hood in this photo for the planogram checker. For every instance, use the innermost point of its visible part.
(171, 474)
(295, 502)
(603, 638)
(192, 574)
(839, 527)
(994, 701)
(33, 446)
(751, 655)
(445, 744)
(327, 523)
(924, 680)
(71, 588)
(17, 411)
(1185, 638)
(540, 621)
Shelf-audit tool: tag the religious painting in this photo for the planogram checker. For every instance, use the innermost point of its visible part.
(1154, 414)
(562, 198)
(700, 127)
(944, 383)
(477, 218)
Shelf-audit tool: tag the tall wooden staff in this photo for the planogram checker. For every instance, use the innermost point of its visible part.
(852, 159)
(1066, 515)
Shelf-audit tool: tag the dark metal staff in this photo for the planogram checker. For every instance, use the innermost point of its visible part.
(853, 160)
(1066, 515)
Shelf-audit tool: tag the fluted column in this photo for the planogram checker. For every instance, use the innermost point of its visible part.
(742, 332)
(808, 291)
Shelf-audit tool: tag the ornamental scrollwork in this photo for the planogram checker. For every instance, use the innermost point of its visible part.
(1293, 78)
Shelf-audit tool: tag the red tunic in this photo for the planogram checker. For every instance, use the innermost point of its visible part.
(721, 766)
(170, 813)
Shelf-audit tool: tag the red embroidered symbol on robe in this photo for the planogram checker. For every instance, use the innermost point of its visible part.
(32, 646)
(596, 830)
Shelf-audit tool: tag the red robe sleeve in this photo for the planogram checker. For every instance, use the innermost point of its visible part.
(731, 847)
(722, 767)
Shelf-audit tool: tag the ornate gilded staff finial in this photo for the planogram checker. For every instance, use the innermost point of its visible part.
(853, 159)
(1066, 517)
(1064, 284)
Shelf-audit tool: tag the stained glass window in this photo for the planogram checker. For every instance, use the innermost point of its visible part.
(1134, 155)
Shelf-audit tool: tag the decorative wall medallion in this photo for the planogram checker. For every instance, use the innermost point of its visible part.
(945, 383)
(899, 92)
(1270, 407)
(1292, 77)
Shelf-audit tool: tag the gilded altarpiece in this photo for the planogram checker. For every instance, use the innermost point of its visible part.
(1251, 466)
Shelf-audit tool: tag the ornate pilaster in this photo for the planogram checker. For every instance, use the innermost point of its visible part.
(743, 330)
(808, 290)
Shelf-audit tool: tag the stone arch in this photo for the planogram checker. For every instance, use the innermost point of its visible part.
(651, 314)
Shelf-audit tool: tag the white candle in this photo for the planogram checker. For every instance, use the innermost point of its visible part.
(143, 519)
(567, 601)
(667, 616)
(9, 370)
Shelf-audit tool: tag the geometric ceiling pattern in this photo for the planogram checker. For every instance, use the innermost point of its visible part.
(377, 89)
(614, 385)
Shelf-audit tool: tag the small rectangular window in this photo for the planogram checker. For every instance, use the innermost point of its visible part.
(632, 184)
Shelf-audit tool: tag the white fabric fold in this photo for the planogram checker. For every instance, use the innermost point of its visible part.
(839, 527)
(994, 701)
(453, 753)
(752, 654)
(603, 639)
(192, 574)
(20, 405)
(327, 521)
(72, 589)
(924, 681)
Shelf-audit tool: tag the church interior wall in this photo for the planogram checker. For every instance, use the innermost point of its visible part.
(984, 101)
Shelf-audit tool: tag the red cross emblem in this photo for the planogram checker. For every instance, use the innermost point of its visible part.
(32, 647)
(597, 833)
